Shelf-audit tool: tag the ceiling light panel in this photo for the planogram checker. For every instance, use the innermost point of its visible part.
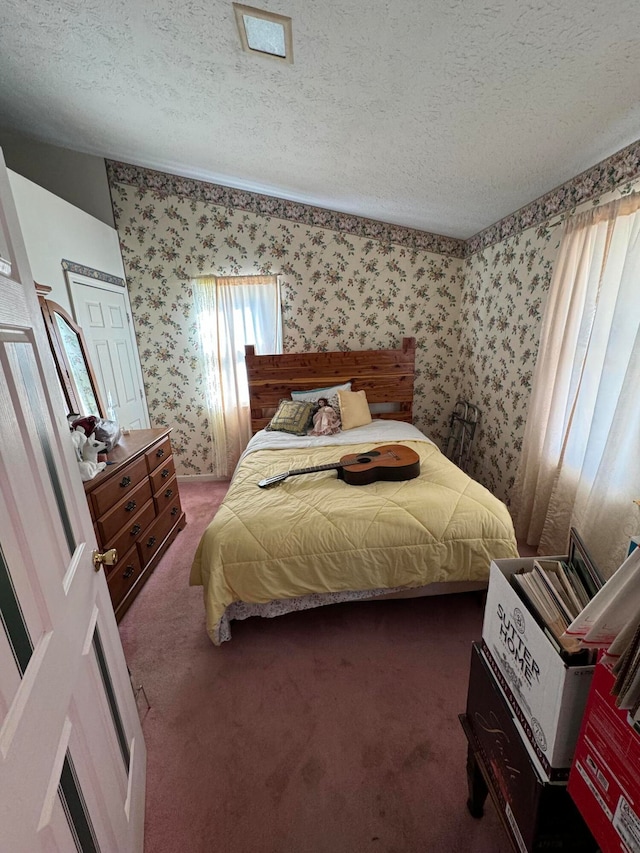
(264, 33)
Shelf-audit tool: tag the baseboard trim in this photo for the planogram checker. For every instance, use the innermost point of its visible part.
(193, 478)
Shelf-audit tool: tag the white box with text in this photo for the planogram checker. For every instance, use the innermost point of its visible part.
(547, 695)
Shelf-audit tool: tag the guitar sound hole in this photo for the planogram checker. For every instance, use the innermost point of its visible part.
(368, 458)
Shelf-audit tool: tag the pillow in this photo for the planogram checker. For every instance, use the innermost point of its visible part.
(330, 394)
(292, 416)
(354, 409)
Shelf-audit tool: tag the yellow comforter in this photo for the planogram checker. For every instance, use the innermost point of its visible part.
(316, 534)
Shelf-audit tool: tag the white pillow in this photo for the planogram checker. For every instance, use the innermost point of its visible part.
(330, 394)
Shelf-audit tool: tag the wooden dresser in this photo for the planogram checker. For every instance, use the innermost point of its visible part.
(135, 507)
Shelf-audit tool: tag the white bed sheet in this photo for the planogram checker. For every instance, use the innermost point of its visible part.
(378, 430)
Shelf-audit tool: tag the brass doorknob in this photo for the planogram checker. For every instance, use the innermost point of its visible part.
(109, 558)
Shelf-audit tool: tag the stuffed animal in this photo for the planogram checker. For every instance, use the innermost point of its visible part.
(92, 447)
(90, 466)
(78, 439)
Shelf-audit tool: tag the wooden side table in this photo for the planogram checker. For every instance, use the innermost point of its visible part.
(479, 781)
(536, 814)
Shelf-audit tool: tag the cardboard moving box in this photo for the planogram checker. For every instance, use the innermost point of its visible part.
(547, 695)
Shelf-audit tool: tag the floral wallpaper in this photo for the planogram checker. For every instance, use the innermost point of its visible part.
(340, 290)
(503, 300)
(475, 308)
(498, 330)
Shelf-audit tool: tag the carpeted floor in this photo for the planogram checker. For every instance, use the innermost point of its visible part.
(330, 731)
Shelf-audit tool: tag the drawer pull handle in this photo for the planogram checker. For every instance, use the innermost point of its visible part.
(174, 511)
(151, 541)
(165, 473)
(124, 482)
(160, 453)
(168, 493)
(130, 506)
(135, 530)
(127, 574)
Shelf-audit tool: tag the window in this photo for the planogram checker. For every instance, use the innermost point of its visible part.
(232, 312)
(580, 461)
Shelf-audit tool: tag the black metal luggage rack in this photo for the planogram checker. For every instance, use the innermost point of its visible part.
(462, 427)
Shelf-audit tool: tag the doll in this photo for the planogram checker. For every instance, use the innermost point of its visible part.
(325, 419)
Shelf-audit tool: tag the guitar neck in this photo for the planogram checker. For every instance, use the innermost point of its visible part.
(331, 466)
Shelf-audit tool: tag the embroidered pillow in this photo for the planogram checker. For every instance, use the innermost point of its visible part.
(354, 409)
(293, 416)
(330, 394)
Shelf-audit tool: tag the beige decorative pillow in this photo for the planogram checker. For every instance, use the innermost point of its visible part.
(354, 409)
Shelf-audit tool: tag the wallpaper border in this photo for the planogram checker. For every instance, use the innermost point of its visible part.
(609, 174)
(90, 272)
(165, 184)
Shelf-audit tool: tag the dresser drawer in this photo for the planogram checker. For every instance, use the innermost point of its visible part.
(105, 496)
(123, 575)
(113, 521)
(135, 508)
(158, 454)
(167, 494)
(163, 473)
(155, 535)
(128, 536)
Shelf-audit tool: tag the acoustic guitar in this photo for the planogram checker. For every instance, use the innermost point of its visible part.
(388, 462)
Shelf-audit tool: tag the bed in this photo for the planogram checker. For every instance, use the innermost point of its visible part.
(314, 539)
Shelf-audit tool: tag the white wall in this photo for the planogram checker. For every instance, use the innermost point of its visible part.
(53, 229)
(80, 179)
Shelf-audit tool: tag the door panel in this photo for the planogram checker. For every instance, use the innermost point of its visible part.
(16, 646)
(34, 447)
(102, 310)
(72, 757)
(124, 360)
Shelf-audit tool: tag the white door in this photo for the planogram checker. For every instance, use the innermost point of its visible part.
(72, 756)
(102, 311)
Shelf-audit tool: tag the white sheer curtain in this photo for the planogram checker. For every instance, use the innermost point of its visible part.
(232, 312)
(580, 462)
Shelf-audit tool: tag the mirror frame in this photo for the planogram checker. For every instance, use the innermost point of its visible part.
(63, 366)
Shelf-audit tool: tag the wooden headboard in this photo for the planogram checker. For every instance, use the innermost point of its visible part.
(385, 375)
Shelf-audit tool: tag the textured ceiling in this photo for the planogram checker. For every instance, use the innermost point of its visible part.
(444, 116)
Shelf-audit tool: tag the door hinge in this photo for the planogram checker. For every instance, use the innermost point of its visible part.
(128, 317)
(141, 394)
